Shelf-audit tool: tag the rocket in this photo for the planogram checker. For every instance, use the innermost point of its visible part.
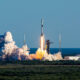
(42, 39)
(41, 27)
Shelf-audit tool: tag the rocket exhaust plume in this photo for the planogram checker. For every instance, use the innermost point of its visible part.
(42, 42)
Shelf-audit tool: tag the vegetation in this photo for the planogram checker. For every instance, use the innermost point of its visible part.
(38, 62)
(39, 70)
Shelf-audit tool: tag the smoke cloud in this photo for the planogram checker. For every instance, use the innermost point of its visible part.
(10, 51)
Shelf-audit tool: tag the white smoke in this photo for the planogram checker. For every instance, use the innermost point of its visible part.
(9, 50)
(25, 50)
(8, 37)
(12, 50)
(51, 57)
(9, 45)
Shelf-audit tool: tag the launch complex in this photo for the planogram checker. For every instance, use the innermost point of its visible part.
(9, 50)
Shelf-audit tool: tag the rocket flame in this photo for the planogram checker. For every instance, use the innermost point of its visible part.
(40, 52)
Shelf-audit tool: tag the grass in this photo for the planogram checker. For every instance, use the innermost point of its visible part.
(19, 71)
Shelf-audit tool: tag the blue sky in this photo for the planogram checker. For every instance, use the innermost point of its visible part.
(24, 16)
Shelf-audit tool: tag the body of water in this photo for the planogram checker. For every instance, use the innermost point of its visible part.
(65, 51)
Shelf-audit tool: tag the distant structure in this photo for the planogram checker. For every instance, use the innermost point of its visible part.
(24, 40)
(59, 42)
(48, 45)
(25, 48)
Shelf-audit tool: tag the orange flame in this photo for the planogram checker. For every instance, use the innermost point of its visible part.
(41, 51)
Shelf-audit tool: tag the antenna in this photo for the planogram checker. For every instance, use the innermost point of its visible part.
(24, 40)
(59, 42)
